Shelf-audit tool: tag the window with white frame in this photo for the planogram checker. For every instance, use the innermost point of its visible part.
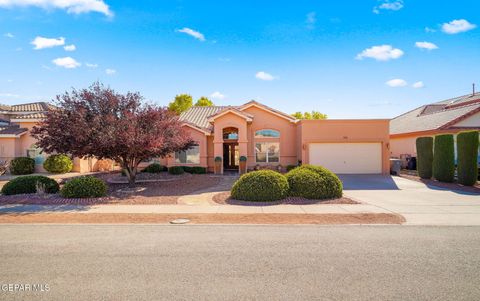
(267, 152)
(190, 156)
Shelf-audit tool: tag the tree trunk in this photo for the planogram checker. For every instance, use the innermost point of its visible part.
(131, 177)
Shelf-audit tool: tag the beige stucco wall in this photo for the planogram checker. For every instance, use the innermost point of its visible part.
(7, 148)
(201, 139)
(472, 121)
(346, 131)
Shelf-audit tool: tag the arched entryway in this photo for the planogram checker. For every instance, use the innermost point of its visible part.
(231, 154)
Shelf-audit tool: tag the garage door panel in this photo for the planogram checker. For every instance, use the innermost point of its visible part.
(347, 158)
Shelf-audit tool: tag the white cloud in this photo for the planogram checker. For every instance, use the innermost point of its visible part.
(71, 6)
(418, 85)
(89, 65)
(66, 62)
(41, 42)
(197, 35)
(110, 71)
(426, 45)
(264, 76)
(380, 53)
(70, 47)
(9, 35)
(217, 95)
(395, 83)
(457, 26)
(388, 5)
(311, 20)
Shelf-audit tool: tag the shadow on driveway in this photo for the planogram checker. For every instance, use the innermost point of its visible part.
(367, 182)
(21, 209)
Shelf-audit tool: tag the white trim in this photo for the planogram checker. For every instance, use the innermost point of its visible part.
(292, 119)
(17, 120)
(248, 119)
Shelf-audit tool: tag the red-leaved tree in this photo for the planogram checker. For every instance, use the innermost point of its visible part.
(99, 122)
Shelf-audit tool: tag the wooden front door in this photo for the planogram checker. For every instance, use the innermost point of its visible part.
(230, 156)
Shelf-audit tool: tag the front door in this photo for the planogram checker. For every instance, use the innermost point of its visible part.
(230, 156)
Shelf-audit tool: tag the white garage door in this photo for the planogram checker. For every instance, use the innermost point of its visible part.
(347, 158)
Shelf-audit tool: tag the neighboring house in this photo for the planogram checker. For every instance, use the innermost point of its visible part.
(268, 138)
(16, 121)
(447, 116)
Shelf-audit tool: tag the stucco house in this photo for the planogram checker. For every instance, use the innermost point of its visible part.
(16, 121)
(268, 137)
(447, 116)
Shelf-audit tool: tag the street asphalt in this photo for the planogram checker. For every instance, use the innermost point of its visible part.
(158, 262)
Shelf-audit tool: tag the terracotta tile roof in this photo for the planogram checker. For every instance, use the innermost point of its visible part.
(439, 115)
(39, 115)
(11, 130)
(31, 107)
(198, 116)
(4, 107)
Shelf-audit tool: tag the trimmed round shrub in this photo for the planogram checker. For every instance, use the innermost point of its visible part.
(29, 184)
(58, 164)
(154, 168)
(425, 157)
(290, 167)
(84, 187)
(444, 158)
(314, 182)
(467, 152)
(262, 185)
(22, 166)
(176, 170)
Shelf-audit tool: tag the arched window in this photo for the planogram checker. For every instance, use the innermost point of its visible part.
(230, 133)
(267, 134)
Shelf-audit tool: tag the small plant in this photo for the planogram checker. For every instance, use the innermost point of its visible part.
(154, 168)
(444, 158)
(58, 164)
(84, 187)
(467, 149)
(218, 159)
(195, 169)
(176, 170)
(29, 184)
(243, 159)
(424, 157)
(22, 166)
(263, 185)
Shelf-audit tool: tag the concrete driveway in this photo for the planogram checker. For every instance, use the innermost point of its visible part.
(417, 202)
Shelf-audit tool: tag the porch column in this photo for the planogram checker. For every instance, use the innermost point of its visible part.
(218, 152)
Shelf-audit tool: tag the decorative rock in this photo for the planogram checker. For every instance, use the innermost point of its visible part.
(180, 221)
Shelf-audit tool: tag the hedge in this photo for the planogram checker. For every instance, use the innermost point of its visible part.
(314, 182)
(58, 164)
(425, 157)
(22, 166)
(467, 153)
(176, 170)
(29, 184)
(444, 158)
(154, 168)
(262, 185)
(195, 169)
(84, 187)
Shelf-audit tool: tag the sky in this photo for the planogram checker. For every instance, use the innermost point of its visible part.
(347, 59)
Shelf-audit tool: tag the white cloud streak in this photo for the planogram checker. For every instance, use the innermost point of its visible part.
(261, 75)
(381, 53)
(396, 83)
(426, 45)
(418, 85)
(193, 33)
(70, 47)
(42, 43)
(66, 62)
(217, 95)
(71, 6)
(388, 5)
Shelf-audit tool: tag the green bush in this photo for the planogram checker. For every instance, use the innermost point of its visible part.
(425, 157)
(22, 166)
(444, 158)
(314, 182)
(58, 164)
(194, 169)
(176, 170)
(467, 152)
(84, 187)
(263, 185)
(290, 167)
(29, 184)
(154, 168)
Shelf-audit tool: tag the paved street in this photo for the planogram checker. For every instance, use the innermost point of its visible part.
(154, 262)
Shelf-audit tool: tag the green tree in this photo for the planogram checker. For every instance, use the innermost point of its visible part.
(310, 115)
(181, 103)
(204, 102)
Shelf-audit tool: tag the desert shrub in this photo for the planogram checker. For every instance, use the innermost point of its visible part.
(154, 168)
(467, 152)
(176, 170)
(198, 170)
(29, 184)
(84, 187)
(444, 158)
(290, 167)
(58, 164)
(263, 185)
(314, 182)
(425, 157)
(22, 166)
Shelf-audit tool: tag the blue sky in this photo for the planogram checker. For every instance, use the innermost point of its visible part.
(348, 59)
